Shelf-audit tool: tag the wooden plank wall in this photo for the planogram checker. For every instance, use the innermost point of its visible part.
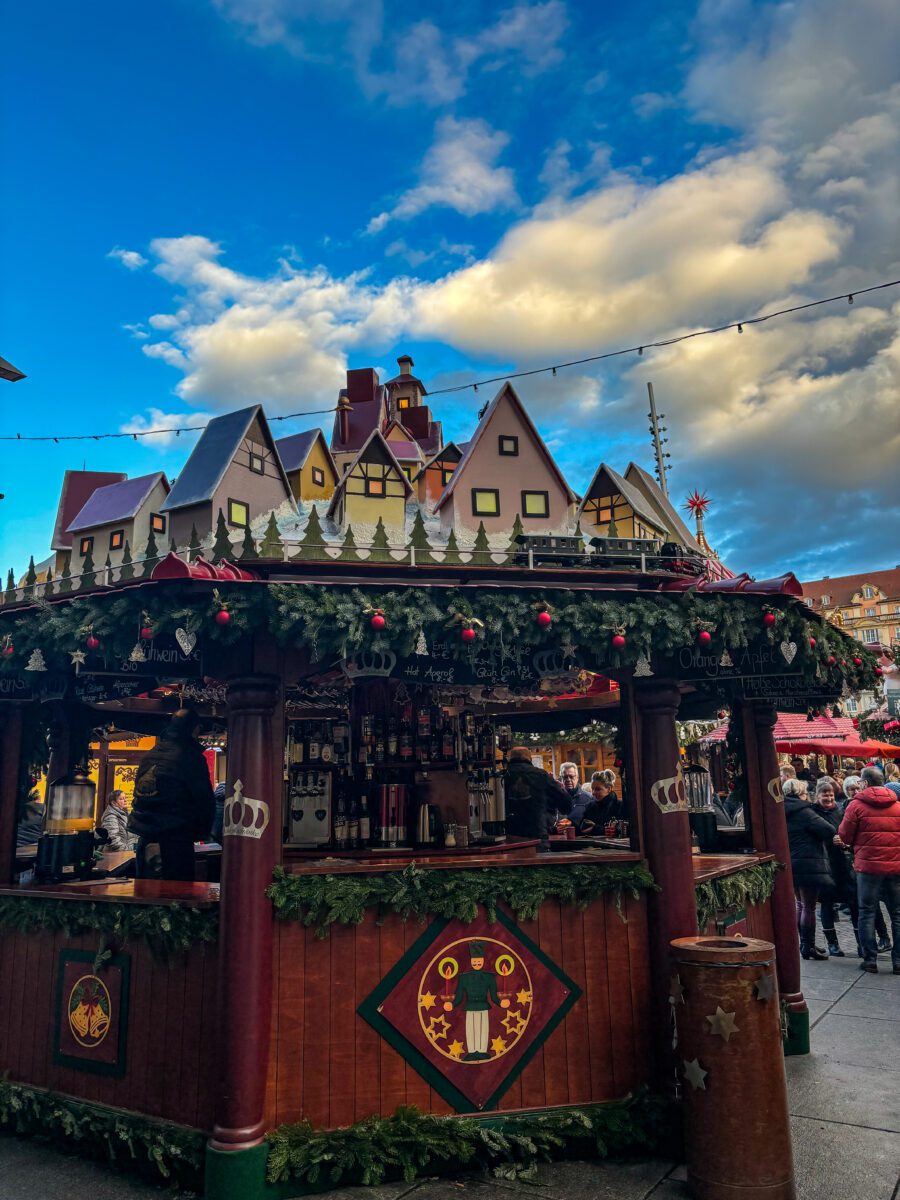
(171, 1049)
(330, 1067)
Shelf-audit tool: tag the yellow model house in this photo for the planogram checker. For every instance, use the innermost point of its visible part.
(374, 485)
(613, 507)
(308, 465)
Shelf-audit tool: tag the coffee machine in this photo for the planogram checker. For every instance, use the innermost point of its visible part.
(66, 846)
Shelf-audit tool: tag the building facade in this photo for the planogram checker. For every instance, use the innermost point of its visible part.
(865, 605)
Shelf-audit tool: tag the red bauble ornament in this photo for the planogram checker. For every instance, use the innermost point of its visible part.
(618, 640)
(855, 723)
(857, 662)
(223, 616)
(831, 660)
(378, 621)
(878, 670)
(769, 620)
(721, 714)
(8, 650)
(92, 643)
(147, 633)
(467, 633)
(544, 618)
(812, 643)
(704, 637)
(618, 763)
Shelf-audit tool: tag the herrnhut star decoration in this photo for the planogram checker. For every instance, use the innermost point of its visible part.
(722, 1024)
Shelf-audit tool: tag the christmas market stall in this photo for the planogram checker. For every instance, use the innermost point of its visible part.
(389, 979)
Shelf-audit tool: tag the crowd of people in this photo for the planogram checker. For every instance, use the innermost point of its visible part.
(844, 833)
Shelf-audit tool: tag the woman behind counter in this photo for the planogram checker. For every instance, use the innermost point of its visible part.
(605, 805)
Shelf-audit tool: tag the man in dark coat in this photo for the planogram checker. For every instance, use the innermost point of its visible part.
(871, 828)
(808, 834)
(173, 799)
(534, 799)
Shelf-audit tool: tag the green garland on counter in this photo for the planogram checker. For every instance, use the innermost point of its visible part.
(751, 885)
(323, 900)
(411, 1144)
(127, 1139)
(168, 929)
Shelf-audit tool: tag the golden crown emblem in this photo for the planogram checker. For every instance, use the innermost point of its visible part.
(369, 663)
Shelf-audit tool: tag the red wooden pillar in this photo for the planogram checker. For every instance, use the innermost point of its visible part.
(672, 911)
(763, 773)
(252, 830)
(10, 753)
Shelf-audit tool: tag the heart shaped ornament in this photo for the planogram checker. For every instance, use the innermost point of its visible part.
(187, 641)
(789, 651)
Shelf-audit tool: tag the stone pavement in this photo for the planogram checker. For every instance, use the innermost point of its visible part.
(845, 1106)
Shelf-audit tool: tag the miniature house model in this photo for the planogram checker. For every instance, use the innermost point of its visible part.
(116, 521)
(308, 465)
(77, 489)
(374, 487)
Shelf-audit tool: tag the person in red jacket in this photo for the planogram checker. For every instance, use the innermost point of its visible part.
(871, 829)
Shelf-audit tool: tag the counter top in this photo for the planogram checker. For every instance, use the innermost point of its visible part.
(381, 865)
(714, 866)
(125, 891)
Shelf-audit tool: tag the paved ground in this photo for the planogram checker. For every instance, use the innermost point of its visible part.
(845, 1106)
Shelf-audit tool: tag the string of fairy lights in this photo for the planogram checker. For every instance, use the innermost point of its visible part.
(551, 369)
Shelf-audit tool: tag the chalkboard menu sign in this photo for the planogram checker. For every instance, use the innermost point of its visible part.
(166, 656)
(488, 662)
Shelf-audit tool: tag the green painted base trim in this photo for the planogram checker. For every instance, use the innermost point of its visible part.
(796, 1038)
(236, 1174)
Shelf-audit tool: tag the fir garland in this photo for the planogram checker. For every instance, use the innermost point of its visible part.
(411, 1144)
(168, 929)
(320, 901)
(752, 885)
(124, 1138)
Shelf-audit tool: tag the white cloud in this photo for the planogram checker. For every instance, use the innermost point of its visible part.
(650, 104)
(128, 258)
(460, 172)
(155, 419)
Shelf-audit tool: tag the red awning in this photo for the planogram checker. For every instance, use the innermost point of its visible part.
(848, 748)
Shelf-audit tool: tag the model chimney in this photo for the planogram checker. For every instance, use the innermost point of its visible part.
(406, 364)
(344, 411)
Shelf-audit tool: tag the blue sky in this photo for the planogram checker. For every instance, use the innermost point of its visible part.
(209, 204)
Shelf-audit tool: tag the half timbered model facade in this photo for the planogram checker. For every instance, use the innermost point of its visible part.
(308, 465)
(375, 487)
(437, 472)
(405, 449)
(612, 508)
(115, 524)
(235, 467)
(506, 472)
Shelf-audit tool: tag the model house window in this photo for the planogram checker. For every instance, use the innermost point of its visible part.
(867, 592)
(157, 523)
(509, 446)
(870, 635)
(808, 601)
(238, 513)
(257, 463)
(117, 539)
(86, 546)
(404, 402)
(318, 476)
(826, 600)
(447, 475)
(485, 502)
(535, 504)
(407, 471)
(375, 487)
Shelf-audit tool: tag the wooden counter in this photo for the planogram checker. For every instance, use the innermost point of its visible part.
(714, 866)
(125, 891)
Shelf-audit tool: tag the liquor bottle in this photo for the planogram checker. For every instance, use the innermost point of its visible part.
(341, 734)
(327, 747)
(353, 824)
(379, 740)
(392, 738)
(341, 826)
(365, 822)
(448, 741)
(467, 722)
(486, 747)
(314, 747)
(296, 744)
(423, 729)
(406, 735)
(367, 740)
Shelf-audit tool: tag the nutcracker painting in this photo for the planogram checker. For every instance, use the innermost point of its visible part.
(476, 991)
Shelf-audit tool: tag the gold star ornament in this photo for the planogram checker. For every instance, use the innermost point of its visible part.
(721, 1024)
(523, 997)
(455, 1049)
(695, 1075)
(498, 1046)
(427, 1000)
(765, 987)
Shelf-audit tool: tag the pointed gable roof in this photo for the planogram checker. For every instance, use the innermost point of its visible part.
(213, 454)
(8, 371)
(77, 488)
(660, 503)
(623, 488)
(116, 501)
(375, 441)
(509, 393)
(449, 453)
(295, 449)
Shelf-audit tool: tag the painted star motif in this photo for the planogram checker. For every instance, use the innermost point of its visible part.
(694, 1074)
(498, 1045)
(427, 1000)
(523, 997)
(514, 1023)
(456, 1049)
(77, 657)
(765, 987)
(676, 990)
(721, 1024)
(437, 1027)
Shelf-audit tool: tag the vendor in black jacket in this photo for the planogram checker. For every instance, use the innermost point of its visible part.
(173, 802)
(534, 800)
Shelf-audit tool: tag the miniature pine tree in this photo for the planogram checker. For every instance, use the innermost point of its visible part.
(248, 546)
(194, 546)
(580, 547)
(312, 544)
(514, 548)
(151, 554)
(9, 595)
(49, 589)
(481, 551)
(65, 575)
(107, 571)
(173, 546)
(349, 553)
(418, 540)
(613, 531)
(381, 550)
(272, 545)
(451, 553)
(126, 571)
(222, 545)
(30, 578)
(88, 574)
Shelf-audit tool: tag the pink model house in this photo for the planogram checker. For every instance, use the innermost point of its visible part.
(506, 471)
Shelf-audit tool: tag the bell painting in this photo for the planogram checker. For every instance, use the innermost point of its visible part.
(469, 1005)
(91, 1012)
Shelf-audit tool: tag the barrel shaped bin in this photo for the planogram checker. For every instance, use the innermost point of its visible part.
(728, 1050)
